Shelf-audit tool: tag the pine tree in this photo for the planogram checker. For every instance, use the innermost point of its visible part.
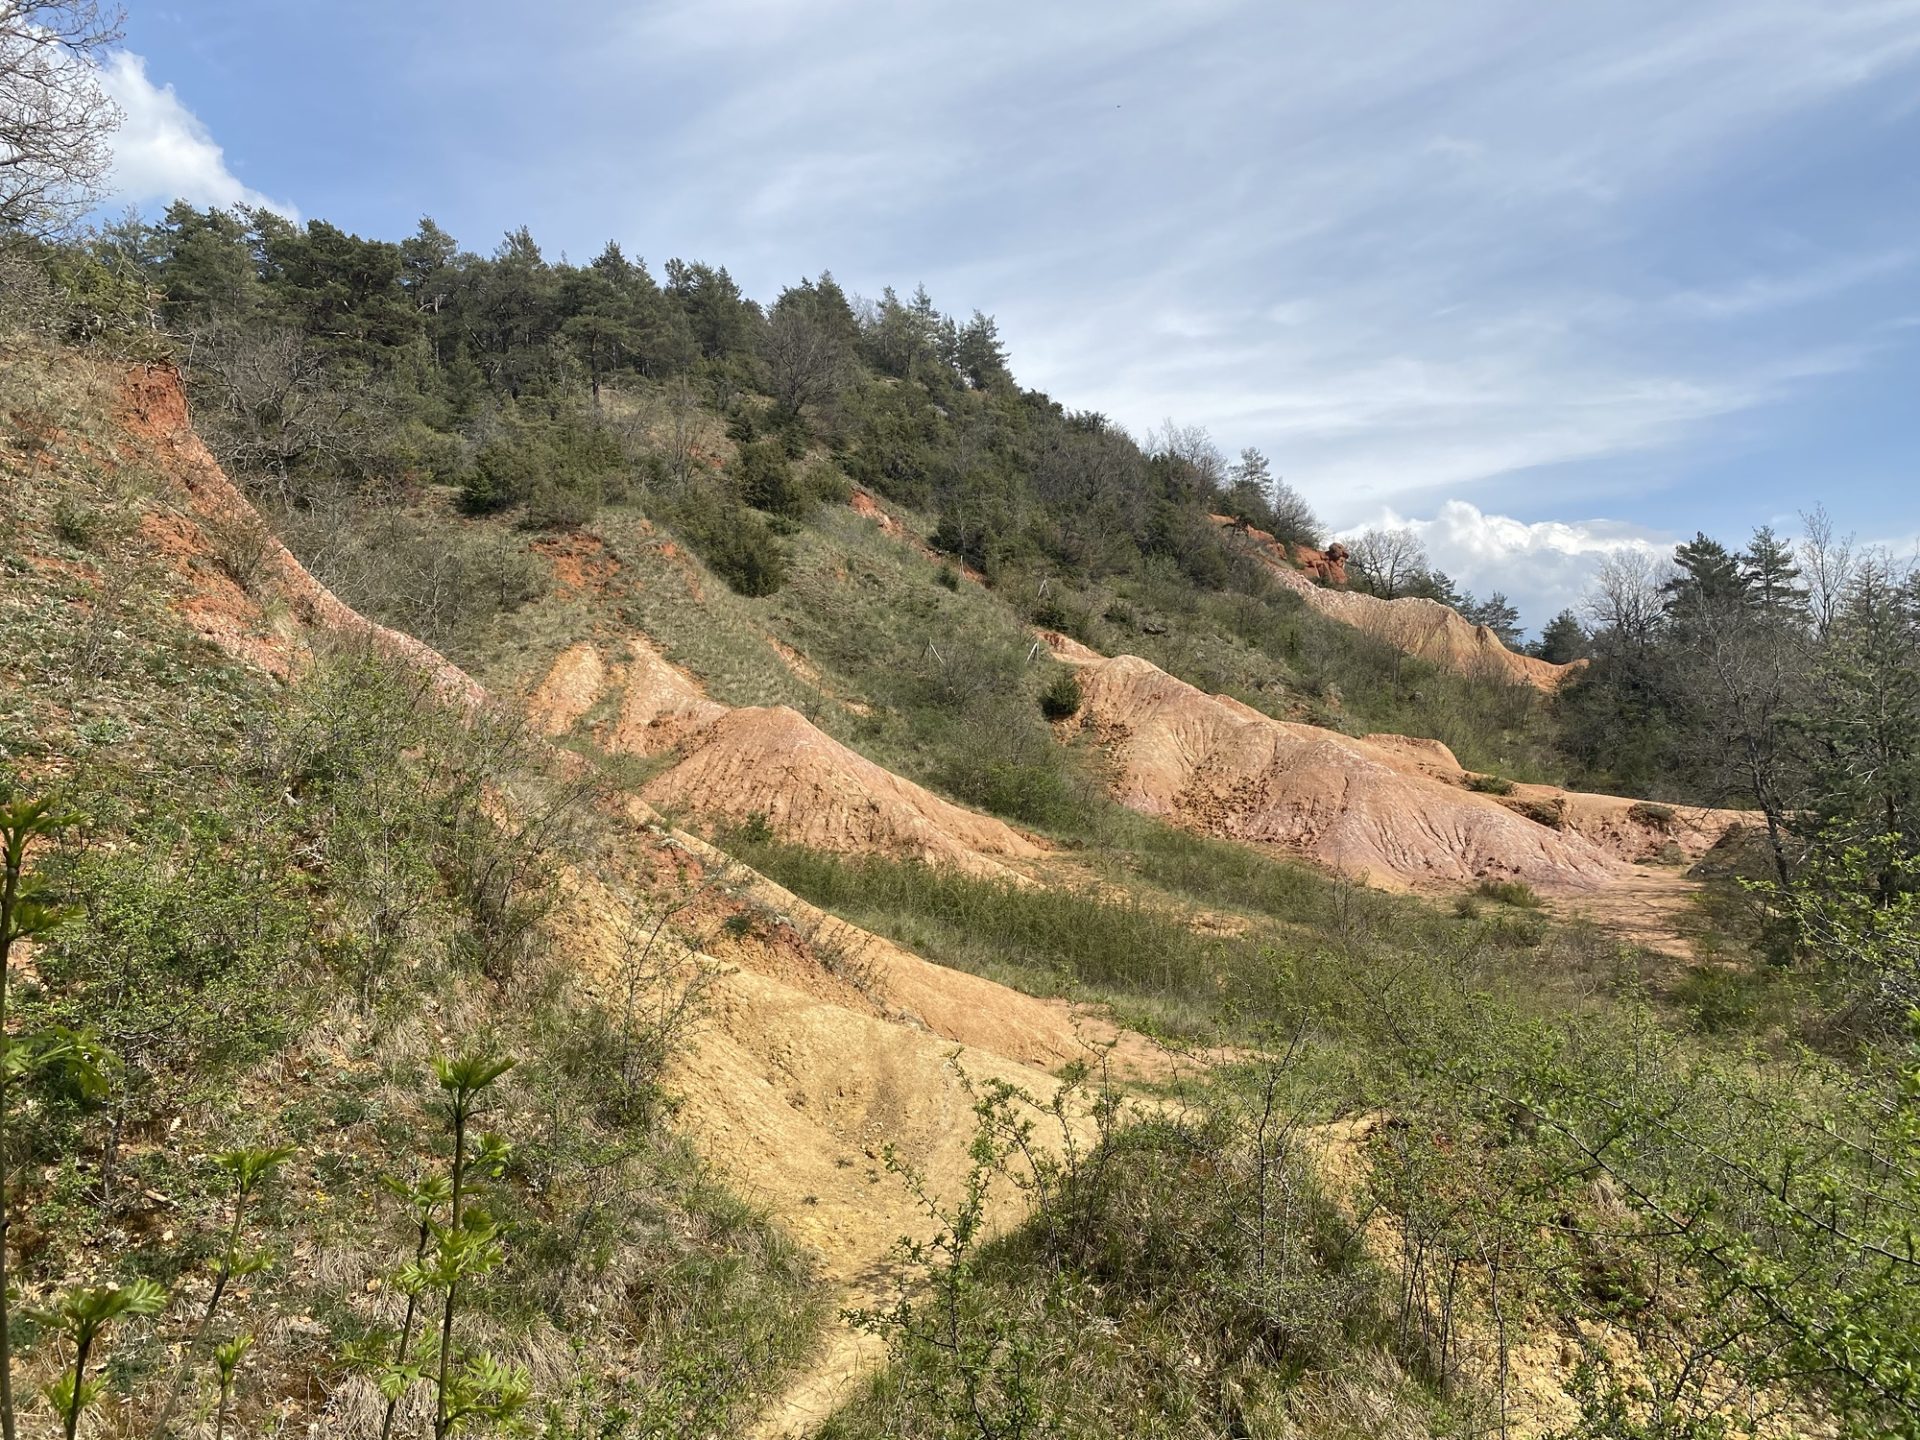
(1864, 712)
(1564, 640)
(1709, 578)
(981, 358)
(1771, 578)
(1495, 612)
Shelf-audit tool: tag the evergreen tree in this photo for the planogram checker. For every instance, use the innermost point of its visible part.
(205, 270)
(1496, 613)
(979, 355)
(1709, 578)
(1771, 578)
(1864, 713)
(723, 321)
(1564, 640)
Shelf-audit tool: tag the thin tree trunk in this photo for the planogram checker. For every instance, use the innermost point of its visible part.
(406, 1327)
(453, 1281)
(9, 895)
(79, 1375)
(161, 1425)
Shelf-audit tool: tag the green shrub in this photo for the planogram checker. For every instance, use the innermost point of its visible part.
(567, 452)
(1550, 813)
(1509, 892)
(755, 830)
(554, 505)
(503, 474)
(826, 484)
(1062, 699)
(763, 477)
(77, 525)
(738, 544)
(1490, 784)
(1720, 998)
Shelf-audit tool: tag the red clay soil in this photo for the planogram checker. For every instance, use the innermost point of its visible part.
(580, 562)
(769, 762)
(153, 411)
(1424, 629)
(1213, 764)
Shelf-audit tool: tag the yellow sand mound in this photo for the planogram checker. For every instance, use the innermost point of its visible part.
(1217, 765)
(815, 791)
(661, 704)
(768, 762)
(568, 692)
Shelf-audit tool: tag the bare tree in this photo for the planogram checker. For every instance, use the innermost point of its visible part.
(678, 420)
(1387, 561)
(807, 359)
(1745, 676)
(1201, 466)
(1828, 565)
(1628, 595)
(272, 413)
(55, 119)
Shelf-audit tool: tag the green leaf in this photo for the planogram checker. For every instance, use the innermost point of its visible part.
(465, 1076)
(248, 1167)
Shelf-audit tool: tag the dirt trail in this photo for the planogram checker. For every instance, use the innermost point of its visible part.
(1425, 629)
(798, 1078)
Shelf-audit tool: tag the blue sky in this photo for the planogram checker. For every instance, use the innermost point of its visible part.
(1540, 279)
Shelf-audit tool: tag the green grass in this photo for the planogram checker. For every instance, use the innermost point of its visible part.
(1144, 939)
(286, 896)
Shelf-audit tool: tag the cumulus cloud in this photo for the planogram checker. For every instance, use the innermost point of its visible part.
(1543, 567)
(163, 152)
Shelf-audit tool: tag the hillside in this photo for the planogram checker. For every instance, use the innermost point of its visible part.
(1098, 979)
(1423, 628)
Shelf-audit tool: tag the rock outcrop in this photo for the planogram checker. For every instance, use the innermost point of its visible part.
(1328, 566)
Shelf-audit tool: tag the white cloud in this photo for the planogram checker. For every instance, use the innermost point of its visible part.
(1543, 567)
(163, 152)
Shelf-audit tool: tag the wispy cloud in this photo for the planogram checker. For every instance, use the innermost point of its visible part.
(1759, 294)
(1408, 251)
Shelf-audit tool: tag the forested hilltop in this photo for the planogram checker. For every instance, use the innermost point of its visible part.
(344, 378)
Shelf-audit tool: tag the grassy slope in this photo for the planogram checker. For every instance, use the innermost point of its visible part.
(279, 921)
(1443, 1020)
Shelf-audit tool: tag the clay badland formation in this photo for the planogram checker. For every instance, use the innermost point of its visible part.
(803, 1071)
(1425, 629)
